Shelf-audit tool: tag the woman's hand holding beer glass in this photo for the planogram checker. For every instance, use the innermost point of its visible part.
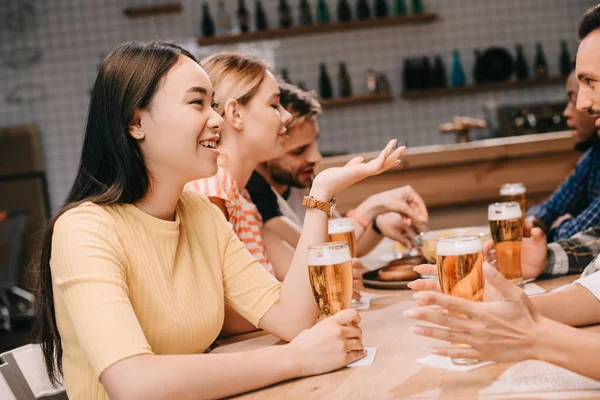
(504, 330)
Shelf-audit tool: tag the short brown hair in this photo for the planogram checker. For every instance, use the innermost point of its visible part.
(300, 103)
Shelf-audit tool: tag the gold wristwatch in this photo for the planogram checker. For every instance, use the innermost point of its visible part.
(326, 206)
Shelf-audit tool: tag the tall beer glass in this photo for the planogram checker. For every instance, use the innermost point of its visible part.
(515, 192)
(506, 225)
(459, 262)
(330, 273)
(342, 230)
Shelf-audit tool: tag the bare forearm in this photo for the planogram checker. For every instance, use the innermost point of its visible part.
(296, 309)
(570, 348)
(199, 376)
(574, 306)
(367, 242)
(370, 208)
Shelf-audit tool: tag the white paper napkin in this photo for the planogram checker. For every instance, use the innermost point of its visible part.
(538, 376)
(367, 360)
(531, 289)
(446, 363)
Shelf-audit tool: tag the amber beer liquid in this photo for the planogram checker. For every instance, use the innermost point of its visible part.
(506, 225)
(330, 273)
(515, 192)
(460, 262)
(342, 230)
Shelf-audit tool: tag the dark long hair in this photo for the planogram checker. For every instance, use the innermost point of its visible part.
(111, 169)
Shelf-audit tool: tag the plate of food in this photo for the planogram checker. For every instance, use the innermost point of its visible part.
(396, 274)
(427, 241)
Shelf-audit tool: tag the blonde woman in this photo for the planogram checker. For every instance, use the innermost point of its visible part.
(134, 275)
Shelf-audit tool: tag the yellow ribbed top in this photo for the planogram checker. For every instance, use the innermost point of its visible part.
(126, 283)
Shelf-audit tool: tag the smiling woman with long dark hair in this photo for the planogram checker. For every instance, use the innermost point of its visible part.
(134, 275)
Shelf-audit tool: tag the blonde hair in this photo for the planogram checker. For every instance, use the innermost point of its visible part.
(234, 76)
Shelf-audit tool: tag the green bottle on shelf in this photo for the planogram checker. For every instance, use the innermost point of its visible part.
(305, 14)
(261, 17)
(363, 11)
(344, 13)
(285, 14)
(325, 88)
(344, 81)
(322, 12)
(417, 6)
(400, 7)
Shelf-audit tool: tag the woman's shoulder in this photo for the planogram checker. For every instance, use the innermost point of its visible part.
(221, 185)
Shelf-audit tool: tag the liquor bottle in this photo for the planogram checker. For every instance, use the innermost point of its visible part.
(344, 81)
(305, 13)
(325, 88)
(363, 11)
(400, 7)
(261, 18)
(285, 14)
(521, 67)
(383, 84)
(243, 17)
(322, 12)
(344, 13)
(457, 76)
(564, 63)
(284, 75)
(223, 20)
(381, 9)
(417, 7)
(477, 72)
(408, 75)
(541, 66)
(439, 73)
(425, 73)
(208, 25)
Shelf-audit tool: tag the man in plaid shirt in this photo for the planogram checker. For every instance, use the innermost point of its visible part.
(575, 206)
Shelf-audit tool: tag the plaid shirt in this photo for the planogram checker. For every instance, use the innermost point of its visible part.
(576, 254)
(578, 196)
(573, 255)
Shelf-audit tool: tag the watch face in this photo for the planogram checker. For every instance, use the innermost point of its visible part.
(332, 208)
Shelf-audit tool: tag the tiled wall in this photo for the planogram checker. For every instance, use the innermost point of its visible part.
(71, 36)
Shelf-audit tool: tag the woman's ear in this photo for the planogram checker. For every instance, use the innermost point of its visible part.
(232, 113)
(135, 126)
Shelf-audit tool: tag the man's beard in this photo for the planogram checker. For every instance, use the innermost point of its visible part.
(592, 141)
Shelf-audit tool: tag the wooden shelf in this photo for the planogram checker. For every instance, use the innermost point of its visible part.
(280, 33)
(483, 87)
(152, 9)
(356, 100)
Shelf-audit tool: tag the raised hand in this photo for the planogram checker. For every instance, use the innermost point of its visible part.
(505, 330)
(331, 181)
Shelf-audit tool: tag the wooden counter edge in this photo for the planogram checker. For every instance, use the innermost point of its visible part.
(476, 151)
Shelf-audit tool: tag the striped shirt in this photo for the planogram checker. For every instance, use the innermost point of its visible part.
(242, 213)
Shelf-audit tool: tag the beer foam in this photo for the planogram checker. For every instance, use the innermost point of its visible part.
(456, 246)
(512, 189)
(504, 211)
(327, 254)
(340, 225)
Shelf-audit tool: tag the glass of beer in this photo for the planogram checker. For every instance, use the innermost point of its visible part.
(506, 225)
(460, 263)
(330, 273)
(515, 192)
(342, 230)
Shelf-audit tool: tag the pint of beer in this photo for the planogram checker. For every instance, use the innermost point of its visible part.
(330, 273)
(342, 230)
(506, 225)
(460, 262)
(515, 192)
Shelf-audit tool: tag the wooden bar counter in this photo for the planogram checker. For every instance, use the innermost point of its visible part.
(458, 181)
